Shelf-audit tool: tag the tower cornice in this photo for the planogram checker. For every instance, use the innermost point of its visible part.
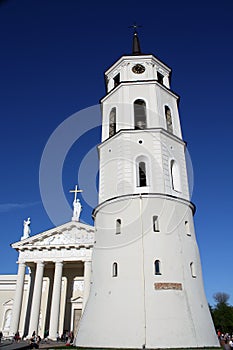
(133, 58)
(143, 195)
(141, 82)
(148, 130)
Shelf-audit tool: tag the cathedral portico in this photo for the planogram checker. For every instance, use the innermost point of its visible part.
(59, 264)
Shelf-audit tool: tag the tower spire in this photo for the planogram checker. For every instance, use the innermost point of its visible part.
(136, 44)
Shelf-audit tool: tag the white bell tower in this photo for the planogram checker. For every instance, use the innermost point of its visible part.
(147, 288)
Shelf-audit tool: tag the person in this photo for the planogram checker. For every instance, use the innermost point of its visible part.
(71, 337)
(1, 335)
(17, 337)
(231, 343)
(34, 341)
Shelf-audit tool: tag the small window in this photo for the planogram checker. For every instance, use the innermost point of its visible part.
(116, 80)
(114, 269)
(187, 228)
(175, 176)
(157, 267)
(155, 223)
(142, 174)
(118, 226)
(112, 122)
(160, 77)
(168, 116)
(193, 270)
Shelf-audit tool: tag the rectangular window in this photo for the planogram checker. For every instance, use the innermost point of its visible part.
(160, 77)
(193, 270)
(142, 174)
(155, 223)
(118, 226)
(114, 269)
(116, 80)
(187, 228)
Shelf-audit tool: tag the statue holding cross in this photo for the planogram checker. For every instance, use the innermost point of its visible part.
(76, 204)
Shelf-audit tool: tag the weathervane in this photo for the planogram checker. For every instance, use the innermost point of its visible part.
(135, 26)
(76, 204)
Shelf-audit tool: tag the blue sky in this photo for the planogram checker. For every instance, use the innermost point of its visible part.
(53, 56)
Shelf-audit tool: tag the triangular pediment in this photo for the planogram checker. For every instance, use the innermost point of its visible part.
(71, 234)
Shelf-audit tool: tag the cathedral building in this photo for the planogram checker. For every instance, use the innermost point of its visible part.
(50, 298)
(135, 279)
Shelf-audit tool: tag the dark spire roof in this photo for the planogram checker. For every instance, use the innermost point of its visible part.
(136, 44)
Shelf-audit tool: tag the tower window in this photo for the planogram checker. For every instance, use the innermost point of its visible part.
(114, 269)
(175, 176)
(118, 226)
(168, 116)
(142, 174)
(157, 267)
(160, 77)
(116, 80)
(142, 171)
(193, 270)
(139, 114)
(155, 223)
(187, 228)
(112, 122)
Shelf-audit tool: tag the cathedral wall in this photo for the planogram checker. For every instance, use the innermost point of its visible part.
(7, 294)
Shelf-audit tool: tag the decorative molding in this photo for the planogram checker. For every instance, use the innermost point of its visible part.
(54, 254)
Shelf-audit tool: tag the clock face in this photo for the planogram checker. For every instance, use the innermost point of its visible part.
(138, 69)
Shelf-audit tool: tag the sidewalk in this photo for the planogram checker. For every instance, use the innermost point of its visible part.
(23, 344)
(49, 344)
(9, 345)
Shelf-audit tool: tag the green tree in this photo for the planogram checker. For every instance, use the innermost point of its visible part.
(222, 313)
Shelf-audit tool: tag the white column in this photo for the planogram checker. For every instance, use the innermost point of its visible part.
(18, 299)
(56, 298)
(36, 299)
(87, 282)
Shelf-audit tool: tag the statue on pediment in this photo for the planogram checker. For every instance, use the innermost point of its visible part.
(26, 228)
(77, 209)
(76, 204)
